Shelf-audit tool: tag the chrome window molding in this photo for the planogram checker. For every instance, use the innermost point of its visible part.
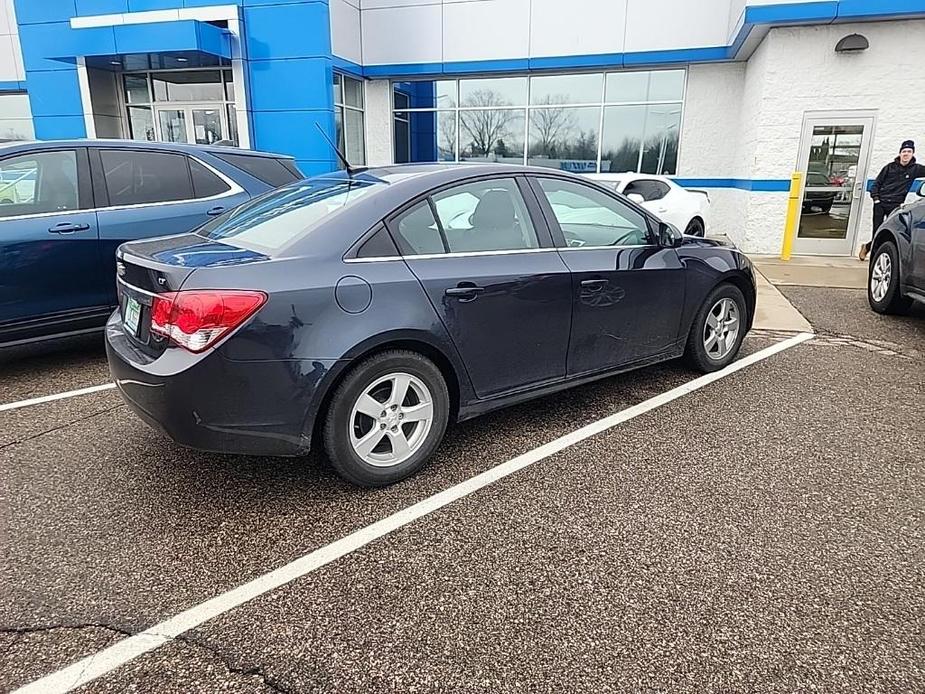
(479, 254)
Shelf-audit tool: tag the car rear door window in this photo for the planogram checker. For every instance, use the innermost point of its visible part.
(417, 231)
(647, 188)
(487, 215)
(205, 183)
(267, 169)
(38, 183)
(590, 217)
(136, 178)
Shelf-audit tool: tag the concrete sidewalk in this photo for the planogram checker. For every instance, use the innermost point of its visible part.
(774, 312)
(813, 271)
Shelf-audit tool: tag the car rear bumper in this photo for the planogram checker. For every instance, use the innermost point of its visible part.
(211, 403)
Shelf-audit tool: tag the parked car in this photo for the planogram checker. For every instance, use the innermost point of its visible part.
(915, 190)
(363, 312)
(685, 208)
(66, 206)
(896, 276)
(819, 200)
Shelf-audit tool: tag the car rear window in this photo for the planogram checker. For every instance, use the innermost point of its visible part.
(274, 172)
(272, 221)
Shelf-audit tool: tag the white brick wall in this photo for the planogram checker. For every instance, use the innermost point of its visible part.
(378, 122)
(760, 107)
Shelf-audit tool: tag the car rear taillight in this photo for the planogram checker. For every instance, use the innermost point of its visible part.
(196, 319)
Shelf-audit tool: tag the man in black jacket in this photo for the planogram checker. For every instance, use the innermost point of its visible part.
(890, 188)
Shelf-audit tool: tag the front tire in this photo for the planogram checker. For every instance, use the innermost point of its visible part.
(883, 292)
(718, 329)
(386, 418)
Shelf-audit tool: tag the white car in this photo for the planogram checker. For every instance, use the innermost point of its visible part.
(686, 208)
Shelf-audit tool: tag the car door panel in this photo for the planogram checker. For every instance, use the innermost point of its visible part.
(917, 232)
(508, 315)
(50, 270)
(503, 297)
(628, 293)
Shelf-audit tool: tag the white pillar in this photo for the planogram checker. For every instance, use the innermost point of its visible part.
(379, 149)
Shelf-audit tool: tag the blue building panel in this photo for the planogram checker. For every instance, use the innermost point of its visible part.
(288, 31)
(44, 44)
(148, 5)
(86, 8)
(42, 11)
(290, 85)
(55, 94)
(59, 127)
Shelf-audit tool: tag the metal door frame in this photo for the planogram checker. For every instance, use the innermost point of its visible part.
(868, 120)
(188, 107)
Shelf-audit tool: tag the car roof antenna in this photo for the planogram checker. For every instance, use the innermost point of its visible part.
(343, 160)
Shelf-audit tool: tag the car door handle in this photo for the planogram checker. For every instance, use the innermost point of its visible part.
(594, 284)
(465, 292)
(67, 228)
(215, 211)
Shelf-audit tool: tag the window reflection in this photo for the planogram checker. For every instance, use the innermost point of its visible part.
(586, 122)
(492, 135)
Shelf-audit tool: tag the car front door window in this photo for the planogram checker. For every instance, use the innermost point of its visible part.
(591, 218)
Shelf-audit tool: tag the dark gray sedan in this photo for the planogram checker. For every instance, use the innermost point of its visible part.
(369, 311)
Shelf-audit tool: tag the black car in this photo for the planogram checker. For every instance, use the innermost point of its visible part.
(370, 310)
(819, 199)
(897, 260)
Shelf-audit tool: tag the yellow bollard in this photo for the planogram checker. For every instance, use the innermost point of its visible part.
(793, 211)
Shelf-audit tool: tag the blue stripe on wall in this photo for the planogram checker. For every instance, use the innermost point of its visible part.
(12, 86)
(763, 185)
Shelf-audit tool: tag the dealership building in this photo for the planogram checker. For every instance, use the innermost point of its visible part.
(731, 96)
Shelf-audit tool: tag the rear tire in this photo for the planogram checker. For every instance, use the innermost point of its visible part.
(717, 330)
(386, 418)
(695, 228)
(883, 293)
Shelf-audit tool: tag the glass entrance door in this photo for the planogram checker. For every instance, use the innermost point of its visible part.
(834, 155)
(194, 124)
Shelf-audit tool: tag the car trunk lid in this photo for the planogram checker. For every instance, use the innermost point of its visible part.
(151, 267)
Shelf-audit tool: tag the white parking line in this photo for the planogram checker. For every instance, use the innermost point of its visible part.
(56, 396)
(108, 659)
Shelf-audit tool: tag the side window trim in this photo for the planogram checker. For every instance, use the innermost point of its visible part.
(84, 193)
(101, 192)
(556, 230)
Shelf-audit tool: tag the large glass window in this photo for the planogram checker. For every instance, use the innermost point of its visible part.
(15, 117)
(585, 122)
(348, 119)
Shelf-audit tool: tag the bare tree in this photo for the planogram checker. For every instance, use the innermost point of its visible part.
(549, 125)
(486, 126)
(447, 128)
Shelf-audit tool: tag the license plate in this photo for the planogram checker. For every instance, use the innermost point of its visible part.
(132, 315)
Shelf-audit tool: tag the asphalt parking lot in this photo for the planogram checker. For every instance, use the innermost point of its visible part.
(765, 533)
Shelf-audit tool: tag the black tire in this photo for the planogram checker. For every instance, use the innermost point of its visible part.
(825, 209)
(344, 459)
(695, 228)
(696, 354)
(893, 302)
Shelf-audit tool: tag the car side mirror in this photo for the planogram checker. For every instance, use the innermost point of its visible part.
(637, 198)
(920, 182)
(669, 236)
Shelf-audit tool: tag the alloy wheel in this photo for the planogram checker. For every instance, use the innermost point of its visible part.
(880, 276)
(721, 329)
(391, 419)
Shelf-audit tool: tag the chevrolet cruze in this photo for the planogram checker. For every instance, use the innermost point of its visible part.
(367, 311)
